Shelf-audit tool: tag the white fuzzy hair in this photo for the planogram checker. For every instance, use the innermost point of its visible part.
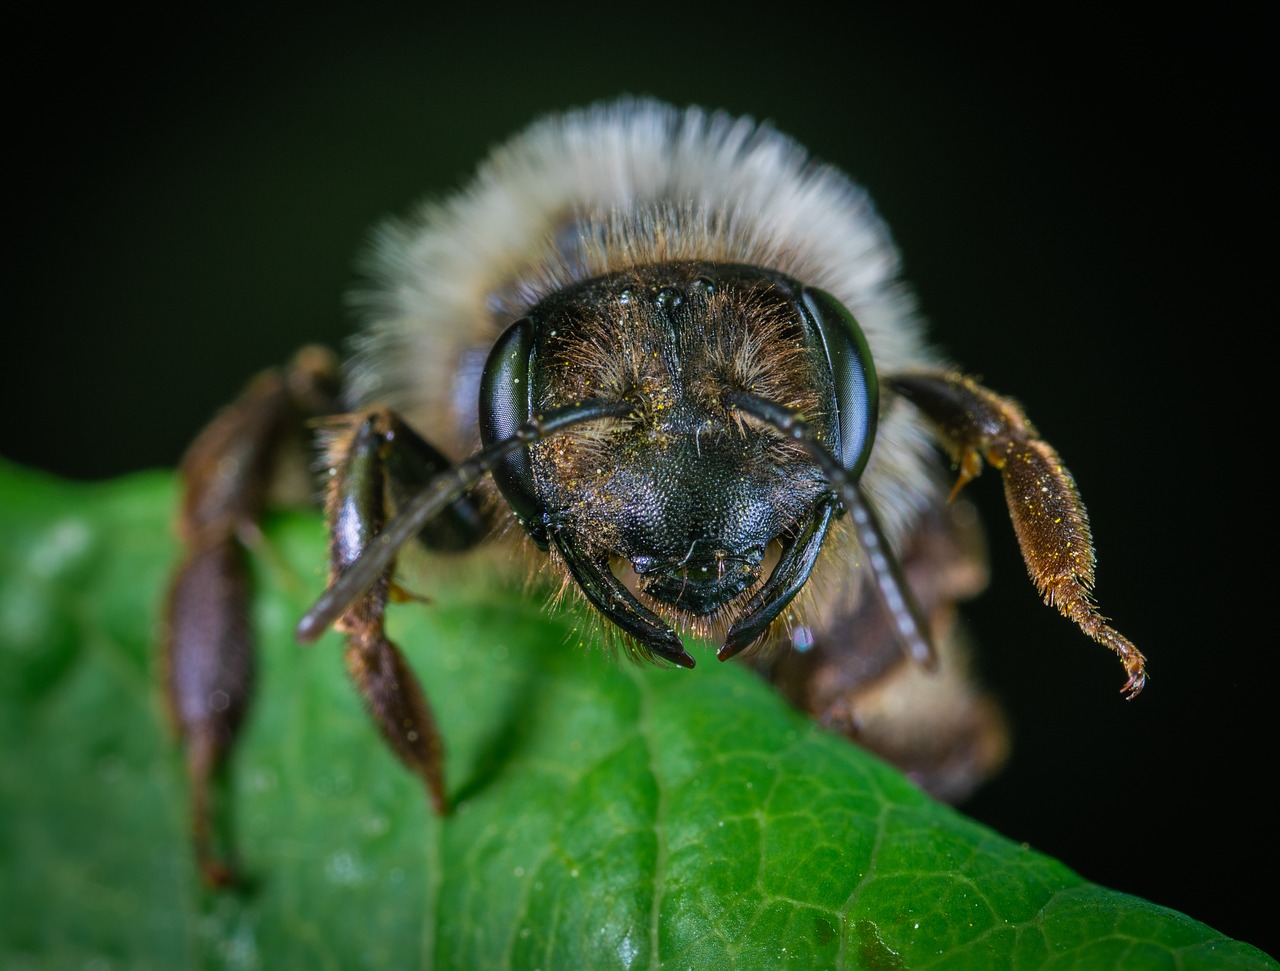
(660, 183)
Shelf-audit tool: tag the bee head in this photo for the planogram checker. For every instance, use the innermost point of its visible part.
(686, 493)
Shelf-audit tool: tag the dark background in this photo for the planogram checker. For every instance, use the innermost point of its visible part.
(1079, 203)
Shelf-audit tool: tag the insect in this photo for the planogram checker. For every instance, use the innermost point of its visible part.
(669, 353)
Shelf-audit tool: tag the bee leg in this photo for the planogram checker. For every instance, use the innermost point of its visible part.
(411, 463)
(227, 474)
(446, 489)
(375, 459)
(1049, 518)
(209, 675)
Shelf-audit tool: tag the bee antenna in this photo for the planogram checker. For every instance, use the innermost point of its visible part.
(908, 620)
(431, 501)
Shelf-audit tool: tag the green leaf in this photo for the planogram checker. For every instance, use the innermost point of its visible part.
(608, 816)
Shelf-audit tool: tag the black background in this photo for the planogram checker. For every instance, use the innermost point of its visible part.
(1081, 208)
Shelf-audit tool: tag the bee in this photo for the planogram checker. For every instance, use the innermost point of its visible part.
(669, 353)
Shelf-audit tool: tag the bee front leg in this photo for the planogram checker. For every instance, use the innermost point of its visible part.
(1049, 518)
(374, 460)
(227, 474)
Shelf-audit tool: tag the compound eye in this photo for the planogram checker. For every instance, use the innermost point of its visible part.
(506, 403)
(853, 376)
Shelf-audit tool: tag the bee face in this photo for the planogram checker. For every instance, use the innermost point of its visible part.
(689, 492)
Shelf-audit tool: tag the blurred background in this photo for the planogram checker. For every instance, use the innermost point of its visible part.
(1078, 202)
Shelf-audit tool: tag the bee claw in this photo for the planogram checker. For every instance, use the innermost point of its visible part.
(1137, 678)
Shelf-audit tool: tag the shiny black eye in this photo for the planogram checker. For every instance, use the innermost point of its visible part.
(506, 403)
(852, 373)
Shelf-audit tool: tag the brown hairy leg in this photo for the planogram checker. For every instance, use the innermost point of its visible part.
(1049, 518)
